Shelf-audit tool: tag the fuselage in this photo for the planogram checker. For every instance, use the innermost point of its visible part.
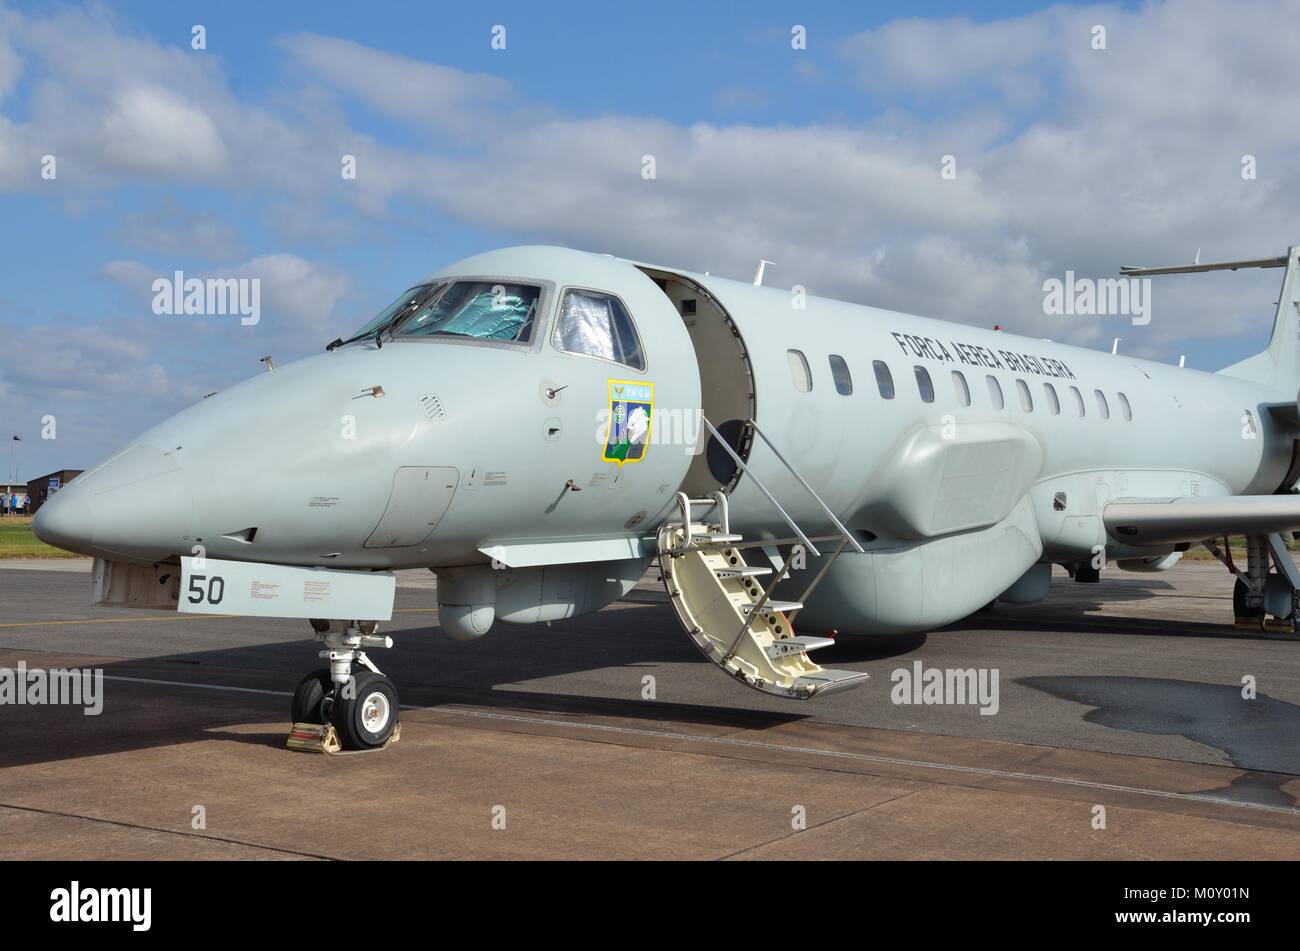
(450, 450)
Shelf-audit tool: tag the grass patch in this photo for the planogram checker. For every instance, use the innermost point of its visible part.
(1238, 542)
(17, 541)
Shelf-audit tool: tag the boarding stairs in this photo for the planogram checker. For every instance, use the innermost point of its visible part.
(725, 605)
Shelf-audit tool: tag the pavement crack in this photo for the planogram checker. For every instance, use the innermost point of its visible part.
(821, 825)
(138, 827)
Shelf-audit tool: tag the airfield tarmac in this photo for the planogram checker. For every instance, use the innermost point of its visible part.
(1124, 694)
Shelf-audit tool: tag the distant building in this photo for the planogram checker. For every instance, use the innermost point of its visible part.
(38, 490)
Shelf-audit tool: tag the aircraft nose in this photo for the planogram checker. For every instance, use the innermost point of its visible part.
(137, 505)
(64, 521)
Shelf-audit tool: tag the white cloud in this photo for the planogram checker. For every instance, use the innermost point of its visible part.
(1067, 157)
(175, 229)
(451, 100)
(87, 362)
(148, 130)
(946, 57)
(297, 297)
(11, 64)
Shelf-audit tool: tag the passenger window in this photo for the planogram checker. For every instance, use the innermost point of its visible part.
(923, 384)
(1078, 401)
(840, 374)
(884, 379)
(1102, 407)
(1128, 410)
(962, 390)
(1053, 404)
(995, 392)
(1026, 401)
(598, 325)
(799, 370)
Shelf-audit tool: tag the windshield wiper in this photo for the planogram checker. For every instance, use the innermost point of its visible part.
(391, 324)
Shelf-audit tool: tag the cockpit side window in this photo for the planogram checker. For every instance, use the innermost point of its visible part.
(598, 325)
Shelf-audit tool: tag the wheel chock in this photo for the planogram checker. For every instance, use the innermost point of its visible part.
(315, 738)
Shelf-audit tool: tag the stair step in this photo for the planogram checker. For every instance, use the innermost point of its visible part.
(748, 571)
(831, 681)
(797, 645)
(700, 541)
(775, 607)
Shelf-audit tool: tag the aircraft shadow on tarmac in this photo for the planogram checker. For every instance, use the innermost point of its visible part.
(1214, 715)
(428, 668)
(1070, 612)
(604, 658)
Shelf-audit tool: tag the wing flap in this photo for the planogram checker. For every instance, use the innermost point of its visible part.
(1195, 518)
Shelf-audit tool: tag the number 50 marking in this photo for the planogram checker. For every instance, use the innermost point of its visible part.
(213, 593)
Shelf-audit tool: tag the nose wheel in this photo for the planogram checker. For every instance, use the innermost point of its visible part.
(359, 711)
(366, 719)
(309, 700)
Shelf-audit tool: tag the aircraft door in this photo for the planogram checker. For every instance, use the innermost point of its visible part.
(621, 389)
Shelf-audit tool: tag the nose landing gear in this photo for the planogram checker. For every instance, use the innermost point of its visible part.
(332, 709)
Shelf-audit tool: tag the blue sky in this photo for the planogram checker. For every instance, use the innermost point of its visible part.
(225, 162)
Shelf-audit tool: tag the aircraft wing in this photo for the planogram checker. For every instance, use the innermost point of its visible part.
(1196, 518)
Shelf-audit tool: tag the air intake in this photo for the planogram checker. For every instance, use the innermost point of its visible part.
(432, 407)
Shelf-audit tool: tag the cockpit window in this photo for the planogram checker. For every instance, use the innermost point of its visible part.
(413, 299)
(480, 310)
(598, 325)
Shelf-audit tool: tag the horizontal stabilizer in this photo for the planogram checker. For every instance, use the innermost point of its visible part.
(1130, 270)
(1195, 518)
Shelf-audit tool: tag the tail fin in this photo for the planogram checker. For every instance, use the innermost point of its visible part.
(1279, 363)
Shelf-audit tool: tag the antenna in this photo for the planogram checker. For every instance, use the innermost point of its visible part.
(758, 275)
(1114, 347)
(1182, 359)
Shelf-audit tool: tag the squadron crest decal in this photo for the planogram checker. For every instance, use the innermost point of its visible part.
(631, 408)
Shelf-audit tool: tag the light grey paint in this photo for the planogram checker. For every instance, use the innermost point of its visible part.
(955, 503)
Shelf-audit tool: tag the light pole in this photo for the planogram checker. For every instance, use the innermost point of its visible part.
(14, 440)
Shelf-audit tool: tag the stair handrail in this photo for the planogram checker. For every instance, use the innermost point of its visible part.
(753, 610)
(684, 503)
(802, 481)
(763, 488)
